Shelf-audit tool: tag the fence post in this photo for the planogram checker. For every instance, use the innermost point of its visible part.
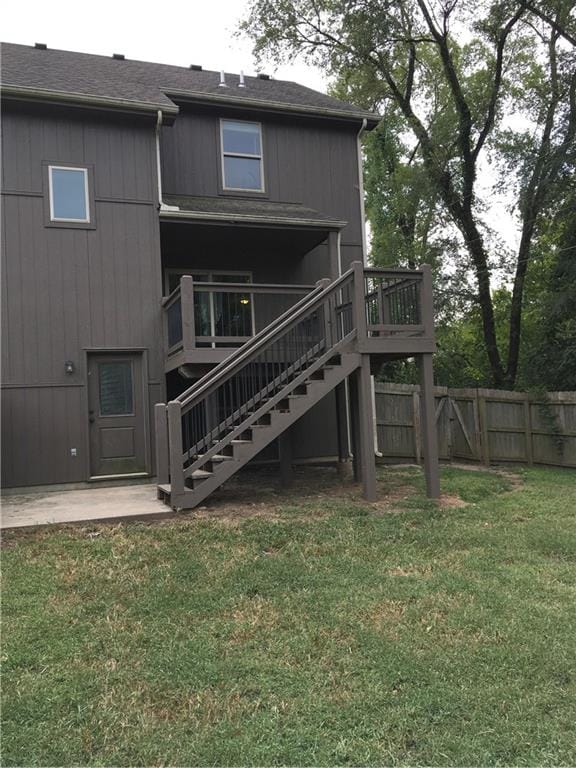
(528, 429)
(176, 450)
(417, 427)
(450, 422)
(161, 436)
(483, 419)
(187, 309)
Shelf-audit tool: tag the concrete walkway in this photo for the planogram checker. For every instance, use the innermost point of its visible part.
(127, 502)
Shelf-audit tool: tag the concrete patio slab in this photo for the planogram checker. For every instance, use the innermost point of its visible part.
(81, 506)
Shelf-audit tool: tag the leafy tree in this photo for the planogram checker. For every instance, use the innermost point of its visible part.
(463, 87)
(551, 357)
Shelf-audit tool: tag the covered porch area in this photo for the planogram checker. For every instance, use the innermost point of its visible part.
(228, 274)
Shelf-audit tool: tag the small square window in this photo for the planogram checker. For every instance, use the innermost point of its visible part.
(242, 164)
(69, 199)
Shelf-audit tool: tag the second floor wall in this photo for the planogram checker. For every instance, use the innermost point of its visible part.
(311, 162)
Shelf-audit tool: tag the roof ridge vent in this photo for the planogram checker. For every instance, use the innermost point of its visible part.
(118, 56)
(241, 84)
(222, 83)
(262, 76)
(196, 67)
(40, 46)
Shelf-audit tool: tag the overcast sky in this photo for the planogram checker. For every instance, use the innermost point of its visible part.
(180, 32)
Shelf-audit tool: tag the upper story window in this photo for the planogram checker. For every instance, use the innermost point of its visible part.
(242, 165)
(69, 198)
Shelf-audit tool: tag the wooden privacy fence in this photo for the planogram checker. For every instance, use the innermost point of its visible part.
(483, 425)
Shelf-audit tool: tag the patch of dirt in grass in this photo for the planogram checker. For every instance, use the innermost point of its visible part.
(451, 501)
(516, 480)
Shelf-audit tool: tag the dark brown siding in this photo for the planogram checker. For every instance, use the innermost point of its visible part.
(66, 291)
(313, 163)
(69, 290)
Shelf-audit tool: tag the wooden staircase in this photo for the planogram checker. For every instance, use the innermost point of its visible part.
(226, 418)
(259, 429)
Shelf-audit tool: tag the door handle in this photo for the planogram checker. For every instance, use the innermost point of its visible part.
(91, 419)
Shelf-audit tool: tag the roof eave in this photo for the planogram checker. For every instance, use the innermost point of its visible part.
(272, 106)
(26, 93)
(242, 218)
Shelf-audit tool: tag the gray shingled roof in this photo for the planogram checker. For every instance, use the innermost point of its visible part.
(80, 76)
(249, 210)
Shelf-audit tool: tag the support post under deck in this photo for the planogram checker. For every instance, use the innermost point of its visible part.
(366, 433)
(285, 456)
(342, 425)
(428, 426)
(355, 425)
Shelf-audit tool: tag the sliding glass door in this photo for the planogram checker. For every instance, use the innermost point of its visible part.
(224, 314)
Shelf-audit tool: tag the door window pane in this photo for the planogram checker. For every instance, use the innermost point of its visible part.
(68, 194)
(115, 386)
(232, 314)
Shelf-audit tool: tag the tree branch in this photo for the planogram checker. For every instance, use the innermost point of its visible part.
(556, 26)
(497, 83)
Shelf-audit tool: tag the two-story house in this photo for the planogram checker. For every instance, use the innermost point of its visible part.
(156, 221)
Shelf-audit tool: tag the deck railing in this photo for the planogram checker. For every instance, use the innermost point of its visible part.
(200, 315)
(395, 302)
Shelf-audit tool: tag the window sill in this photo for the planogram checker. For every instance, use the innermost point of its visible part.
(70, 224)
(243, 193)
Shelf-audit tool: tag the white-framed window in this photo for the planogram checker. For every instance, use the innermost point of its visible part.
(69, 198)
(242, 161)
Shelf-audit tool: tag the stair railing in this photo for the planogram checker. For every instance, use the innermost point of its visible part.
(228, 400)
(205, 418)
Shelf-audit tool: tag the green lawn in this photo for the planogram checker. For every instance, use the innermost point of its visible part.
(326, 632)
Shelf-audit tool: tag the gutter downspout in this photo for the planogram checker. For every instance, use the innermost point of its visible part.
(161, 205)
(364, 259)
(361, 189)
(158, 165)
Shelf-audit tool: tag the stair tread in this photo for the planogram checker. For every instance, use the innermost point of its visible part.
(201, 473)
(218, 457)
(165, 487)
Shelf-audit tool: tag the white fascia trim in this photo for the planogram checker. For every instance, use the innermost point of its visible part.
(44, 94)
(167, 212)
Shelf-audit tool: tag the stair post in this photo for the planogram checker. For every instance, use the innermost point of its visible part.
(187, 310)
(161, 436)
(176, 451)
(359, 308)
